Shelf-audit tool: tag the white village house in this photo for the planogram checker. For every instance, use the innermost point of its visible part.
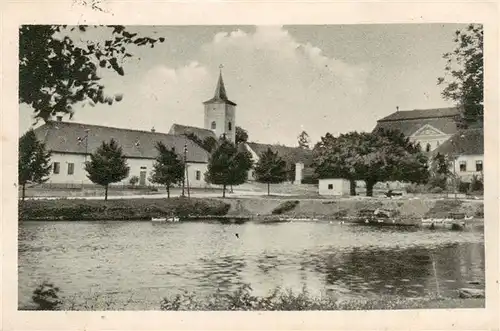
(72, 143)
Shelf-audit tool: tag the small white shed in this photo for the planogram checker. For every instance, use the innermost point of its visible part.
(334, 186)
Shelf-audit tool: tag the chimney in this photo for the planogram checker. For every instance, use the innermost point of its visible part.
(59, 118)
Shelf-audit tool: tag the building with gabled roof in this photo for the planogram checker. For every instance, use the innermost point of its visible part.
(466, 149)
(428, 127)
(72, 143)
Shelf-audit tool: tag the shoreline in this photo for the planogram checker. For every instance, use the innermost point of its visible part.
(408, 212)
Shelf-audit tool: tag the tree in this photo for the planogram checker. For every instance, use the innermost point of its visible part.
(168, 169)
(208, 144)
(439, 171)
(33, 161)
(228, 165)
(328, 156)
(107, 165)
(271, 169)
(241, 135)
(55, 72)
(463, 79)
(303, 140)
(371, 157)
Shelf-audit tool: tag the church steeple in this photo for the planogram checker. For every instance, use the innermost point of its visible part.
(220, 90)
(220, 94)
(220, 112)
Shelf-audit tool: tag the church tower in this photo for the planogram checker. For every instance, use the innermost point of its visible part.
(220, 113)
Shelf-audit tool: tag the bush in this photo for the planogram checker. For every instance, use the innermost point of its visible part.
(463, 187)
(46, 297)
(436, 190)
(438, 181)
(284, 207)
(310, 179)
(416, 188)
(476, 184)
(134, 180)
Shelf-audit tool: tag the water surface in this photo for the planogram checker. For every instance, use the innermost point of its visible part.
(135, 264)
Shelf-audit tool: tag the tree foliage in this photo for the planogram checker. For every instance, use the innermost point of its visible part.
(208, 144)
(271, 169)
(228, 165)
(55, 72)
(463, 79)
(168, 169)
(304, 140)
(371, 157)
(241, 135)
(107, 165)
(33, 161)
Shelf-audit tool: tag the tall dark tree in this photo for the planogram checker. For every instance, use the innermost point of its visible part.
(271, 169)
(463, 80)
(304, 140)
(33, 161)
(371, 157)
(107, 165)
(228, 165)
(168, 168)
(241, 135)
(57, 71)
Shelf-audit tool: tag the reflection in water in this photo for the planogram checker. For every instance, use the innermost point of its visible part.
(123, 259)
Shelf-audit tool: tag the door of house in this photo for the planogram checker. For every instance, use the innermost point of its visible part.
(142, 178)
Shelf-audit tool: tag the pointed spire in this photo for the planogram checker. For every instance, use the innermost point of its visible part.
(220, 91)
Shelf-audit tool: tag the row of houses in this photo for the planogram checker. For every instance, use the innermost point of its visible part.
(71, 143)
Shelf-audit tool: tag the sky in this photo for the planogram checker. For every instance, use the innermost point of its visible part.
(285, 79)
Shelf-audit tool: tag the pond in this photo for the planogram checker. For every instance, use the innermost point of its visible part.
(135, 264)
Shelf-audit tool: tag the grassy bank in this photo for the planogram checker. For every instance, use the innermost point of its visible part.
(48, 297)
(126, 209)
(405, 209)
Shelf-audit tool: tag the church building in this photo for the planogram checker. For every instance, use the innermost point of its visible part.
(71, 144)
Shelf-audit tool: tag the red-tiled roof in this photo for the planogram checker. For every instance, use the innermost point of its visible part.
(68, 137)
(408, 122)
(464, 142)
(220, 94)
(179, 129)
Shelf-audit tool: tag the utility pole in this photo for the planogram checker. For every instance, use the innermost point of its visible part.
(185, 172)
(86, 143)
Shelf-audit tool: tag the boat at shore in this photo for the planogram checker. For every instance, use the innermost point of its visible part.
(165, 219)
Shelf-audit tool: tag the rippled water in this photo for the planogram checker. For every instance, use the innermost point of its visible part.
(140, 262)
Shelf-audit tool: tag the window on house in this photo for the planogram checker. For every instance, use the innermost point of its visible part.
(330, 186)
(71, 168)
(463, 166)
(213, 126)
(57, 167)
(229, 126)
(428, 147)
(198, 175)
(479, 165)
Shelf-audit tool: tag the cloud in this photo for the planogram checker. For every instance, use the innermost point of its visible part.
(281, 87)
